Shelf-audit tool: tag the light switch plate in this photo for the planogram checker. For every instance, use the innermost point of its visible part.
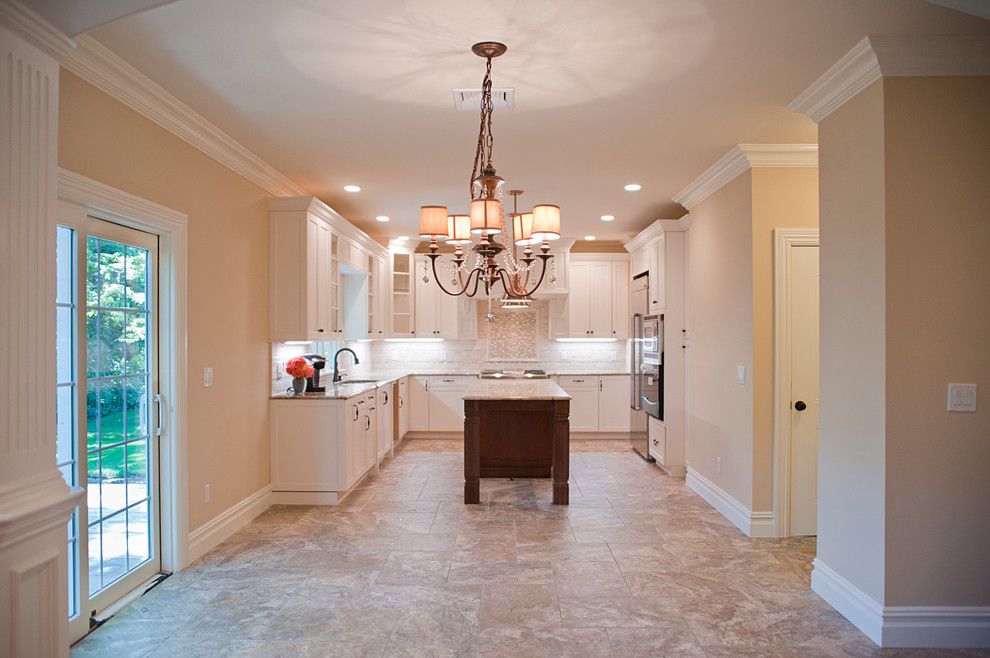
(740, 374)
(207, 377)
(962, 397)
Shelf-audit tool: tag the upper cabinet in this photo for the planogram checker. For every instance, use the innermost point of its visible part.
(555, 282)
(377, 292)
(436, 311)
(318, 273)
(598, 302)
(401, 294)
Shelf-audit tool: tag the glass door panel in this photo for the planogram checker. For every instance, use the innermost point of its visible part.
(106, 358)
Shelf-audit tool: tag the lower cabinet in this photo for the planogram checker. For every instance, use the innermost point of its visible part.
(598, 403)
(321, 448)
(384, 421)
(436, 403)
(403, 411)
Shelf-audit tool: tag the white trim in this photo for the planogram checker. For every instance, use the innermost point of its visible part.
(101, 67)
(740, 159)
(876, 57)
(940, 627)
(752, 524)
(170, 227)
(31, 27)
(854, 604)
(212, 533)
(945, 627)
(339, 225)
(784, 239)
(655, 230)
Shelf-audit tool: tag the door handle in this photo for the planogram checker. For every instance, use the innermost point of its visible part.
(800, 405)
(157, 399)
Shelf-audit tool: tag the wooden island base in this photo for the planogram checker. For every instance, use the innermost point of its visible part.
(506, 438)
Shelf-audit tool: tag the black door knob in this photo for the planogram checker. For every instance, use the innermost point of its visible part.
(800, 405)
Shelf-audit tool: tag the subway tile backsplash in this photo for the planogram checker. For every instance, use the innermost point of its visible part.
(468, 356)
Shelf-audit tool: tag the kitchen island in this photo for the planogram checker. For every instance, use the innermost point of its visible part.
(516, 428)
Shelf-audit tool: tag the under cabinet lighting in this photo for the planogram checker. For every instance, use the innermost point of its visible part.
(586, 340)
(298, 342)
(414, 340)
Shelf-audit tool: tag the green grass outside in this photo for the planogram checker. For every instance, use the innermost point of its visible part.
(112, 431)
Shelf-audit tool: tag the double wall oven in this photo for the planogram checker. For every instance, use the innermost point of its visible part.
(647, 368)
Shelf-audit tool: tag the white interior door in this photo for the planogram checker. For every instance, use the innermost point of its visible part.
(107, 340)
(803, 307)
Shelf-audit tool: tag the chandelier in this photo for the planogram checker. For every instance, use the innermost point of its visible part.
(486, 223)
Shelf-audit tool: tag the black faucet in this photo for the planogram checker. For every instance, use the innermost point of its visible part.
(336, 373)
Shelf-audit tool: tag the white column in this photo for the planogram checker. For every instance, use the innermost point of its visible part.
(35, 503)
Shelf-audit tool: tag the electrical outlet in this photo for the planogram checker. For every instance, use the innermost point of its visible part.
(740, 374)
(207, 377)
(207, 495)
(718, 464)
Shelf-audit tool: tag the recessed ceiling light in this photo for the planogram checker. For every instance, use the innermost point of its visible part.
(589, 237)
(607, 218)
(382, 218)
(633, 187)
(402, 238)
(352, 188)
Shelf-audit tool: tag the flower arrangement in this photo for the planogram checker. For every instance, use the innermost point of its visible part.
(299, 368)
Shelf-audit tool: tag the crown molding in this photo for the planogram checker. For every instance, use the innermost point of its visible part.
(29, 25)
(314, 206)
(741, 158)
(655, 230)
(876, 57)
(101, 67)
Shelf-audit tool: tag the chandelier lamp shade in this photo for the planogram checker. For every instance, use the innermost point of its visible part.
(495, 264)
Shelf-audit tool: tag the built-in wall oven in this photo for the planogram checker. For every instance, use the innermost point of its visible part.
(651, 368)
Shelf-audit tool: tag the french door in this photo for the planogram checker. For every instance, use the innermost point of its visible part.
(108, 302)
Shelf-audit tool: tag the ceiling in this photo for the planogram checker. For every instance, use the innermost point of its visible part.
(606, 93)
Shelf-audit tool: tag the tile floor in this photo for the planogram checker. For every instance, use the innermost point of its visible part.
(637, 565)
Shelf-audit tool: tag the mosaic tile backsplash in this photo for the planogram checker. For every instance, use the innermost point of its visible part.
(509, 343)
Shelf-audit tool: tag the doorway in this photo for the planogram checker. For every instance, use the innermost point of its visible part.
(796, 381)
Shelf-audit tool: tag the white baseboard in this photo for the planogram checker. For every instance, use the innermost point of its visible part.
(212, 533)
(306, 497)
(752, 524)
(854, 604)
(941, 627)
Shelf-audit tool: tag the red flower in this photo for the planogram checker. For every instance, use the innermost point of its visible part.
(299, 367)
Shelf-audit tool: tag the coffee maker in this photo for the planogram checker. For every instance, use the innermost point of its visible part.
(313, 383)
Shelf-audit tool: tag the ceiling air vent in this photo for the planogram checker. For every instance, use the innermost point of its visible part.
(469, 100)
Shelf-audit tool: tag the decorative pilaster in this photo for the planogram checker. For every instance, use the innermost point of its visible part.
(35, 503)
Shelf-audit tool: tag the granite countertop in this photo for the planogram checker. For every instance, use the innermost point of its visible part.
(515, 389)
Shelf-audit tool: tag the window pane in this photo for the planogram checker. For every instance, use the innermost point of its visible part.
(64, 317)
(111, 412)
(137, 267)
(63, 265)
(137, 407)
(113, 324)
(114, 548)
(135, 344)
(138, 541)
(137, 471)
(95, 549)
(112, 279)
(112, 479)
(64, 436)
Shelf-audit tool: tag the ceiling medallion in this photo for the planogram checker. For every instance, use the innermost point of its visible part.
(486, 220)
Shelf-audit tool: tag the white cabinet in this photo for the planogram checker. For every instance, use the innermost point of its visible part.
(584, 400)
(658, 275)
(403, 402)
(384, 423)
(436, 403)
(419, 404)
(614, 412)
(447, 403)
(436, 311)
(597, 305)
(377, 293)
(620, 300)
(301, 275)
(555, 282)
(598, 403)
(400, 286)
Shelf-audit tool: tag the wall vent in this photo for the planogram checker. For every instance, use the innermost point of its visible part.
(469, 100)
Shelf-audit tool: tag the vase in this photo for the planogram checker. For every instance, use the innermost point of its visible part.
(298, 385)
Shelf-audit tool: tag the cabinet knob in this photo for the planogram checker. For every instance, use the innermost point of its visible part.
(320, 330)
(800, 405)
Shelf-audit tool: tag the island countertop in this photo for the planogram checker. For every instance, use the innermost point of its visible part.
(515, 389)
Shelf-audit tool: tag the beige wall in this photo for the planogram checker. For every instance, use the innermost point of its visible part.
(720, 325)
(851, 450)
(937, 160)
(782, 198)
(228, 281)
